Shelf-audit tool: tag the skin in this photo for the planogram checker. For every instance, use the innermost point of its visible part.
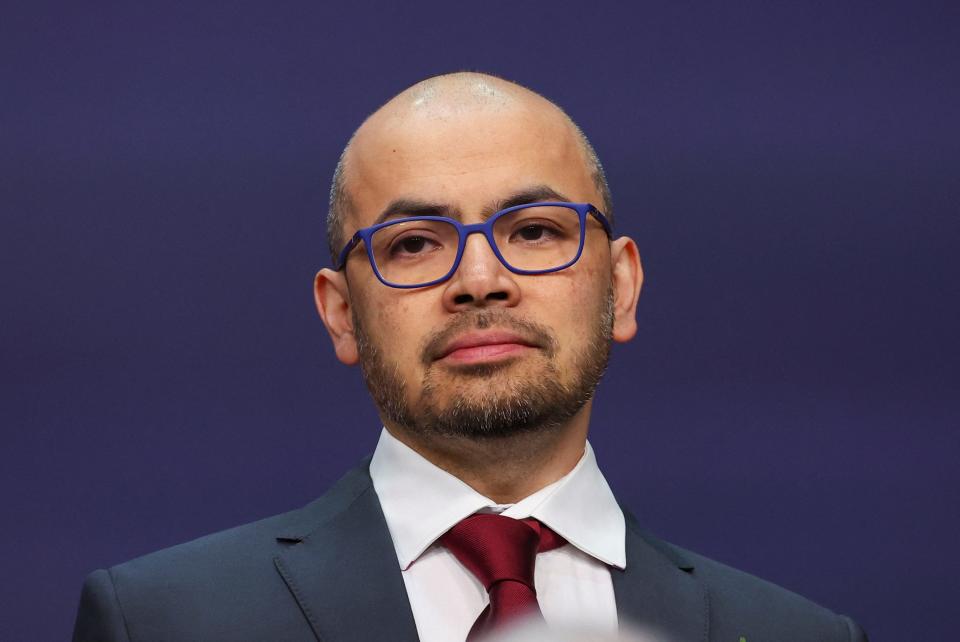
(468, 141)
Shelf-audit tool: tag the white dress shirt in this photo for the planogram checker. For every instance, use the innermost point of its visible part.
(421, 502)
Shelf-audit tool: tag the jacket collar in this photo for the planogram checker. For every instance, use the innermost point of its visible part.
(658, 593)
(341, 568)
(421, 502)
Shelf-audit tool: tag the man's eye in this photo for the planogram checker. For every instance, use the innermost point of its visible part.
(531, 232)
(535, 232)
(411, 245)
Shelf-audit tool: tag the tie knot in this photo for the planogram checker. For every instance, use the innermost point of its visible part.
(496, 548)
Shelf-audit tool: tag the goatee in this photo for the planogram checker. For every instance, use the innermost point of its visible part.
(450, 406)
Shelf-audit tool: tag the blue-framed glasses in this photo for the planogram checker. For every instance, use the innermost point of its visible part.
(418, 251)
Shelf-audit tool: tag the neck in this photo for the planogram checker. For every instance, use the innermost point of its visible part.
(505, 469)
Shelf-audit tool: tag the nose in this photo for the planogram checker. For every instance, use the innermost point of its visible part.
(481, 280)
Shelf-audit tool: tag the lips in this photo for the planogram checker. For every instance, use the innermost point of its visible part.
(482, 345)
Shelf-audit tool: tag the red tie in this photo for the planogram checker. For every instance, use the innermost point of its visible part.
(501, 553)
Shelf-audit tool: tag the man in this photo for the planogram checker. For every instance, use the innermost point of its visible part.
(478, 284)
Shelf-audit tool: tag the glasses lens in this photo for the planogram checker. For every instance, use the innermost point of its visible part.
(414, 252)
(542, 237)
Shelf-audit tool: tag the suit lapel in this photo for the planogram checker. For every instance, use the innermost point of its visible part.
(342, 569)
(658, 593)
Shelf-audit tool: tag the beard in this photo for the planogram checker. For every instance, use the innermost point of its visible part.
(486, 401)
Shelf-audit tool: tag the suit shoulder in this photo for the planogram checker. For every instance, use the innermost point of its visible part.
(257, 535)
(740, 602)
(223, 586)
(728, 579)
(239, 546)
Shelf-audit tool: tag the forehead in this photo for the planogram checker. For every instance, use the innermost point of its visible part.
(463, 157)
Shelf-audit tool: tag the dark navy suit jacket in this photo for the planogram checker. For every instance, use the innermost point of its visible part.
(329, 572)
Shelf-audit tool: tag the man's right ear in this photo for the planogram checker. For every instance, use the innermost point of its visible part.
(332, 295)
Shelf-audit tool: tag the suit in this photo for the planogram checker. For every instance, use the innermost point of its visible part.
(328, 572)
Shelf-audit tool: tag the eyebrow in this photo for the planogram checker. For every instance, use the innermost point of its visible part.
(535, 194)
(414, 207)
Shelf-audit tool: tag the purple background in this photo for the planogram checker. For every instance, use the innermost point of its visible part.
(789, 170)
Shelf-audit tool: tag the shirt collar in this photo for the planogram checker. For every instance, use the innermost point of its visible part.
(421, 502)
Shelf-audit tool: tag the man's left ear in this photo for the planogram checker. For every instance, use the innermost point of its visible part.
(627, 276)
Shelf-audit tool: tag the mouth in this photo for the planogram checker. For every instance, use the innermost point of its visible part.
(485, 347)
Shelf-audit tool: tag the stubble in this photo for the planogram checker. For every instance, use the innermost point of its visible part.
(489, 401)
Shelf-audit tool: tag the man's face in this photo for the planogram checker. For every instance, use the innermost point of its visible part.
(488, 352)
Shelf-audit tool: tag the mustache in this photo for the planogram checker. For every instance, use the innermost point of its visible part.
(533, 333)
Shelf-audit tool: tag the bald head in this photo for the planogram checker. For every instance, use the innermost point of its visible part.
(447, 95)
(437, 113)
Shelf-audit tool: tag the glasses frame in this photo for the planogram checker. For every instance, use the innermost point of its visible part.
(464, 231)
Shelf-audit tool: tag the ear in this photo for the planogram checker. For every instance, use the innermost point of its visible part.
(332, 295)
(627, 280)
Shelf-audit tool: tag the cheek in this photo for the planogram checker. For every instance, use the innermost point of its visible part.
(399, 326)
(581, 285)
(591, 289)
(568, 302)
(594, 285)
